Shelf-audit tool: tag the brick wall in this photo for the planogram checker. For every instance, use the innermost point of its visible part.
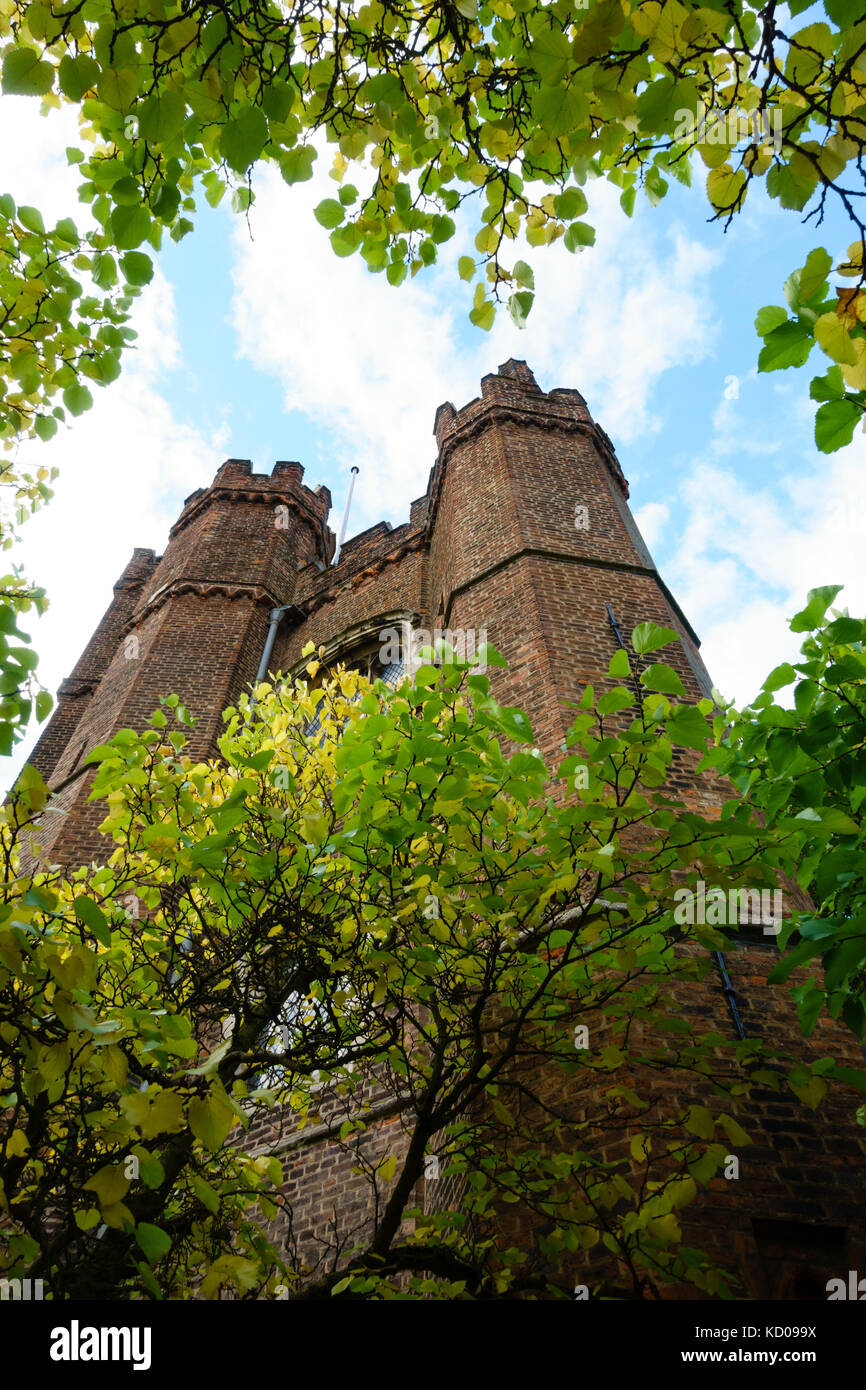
(498, 543)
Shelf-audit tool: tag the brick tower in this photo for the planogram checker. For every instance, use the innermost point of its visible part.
(188, 622)
(524, 531)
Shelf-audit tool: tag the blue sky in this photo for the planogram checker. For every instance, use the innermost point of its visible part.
(260, 343)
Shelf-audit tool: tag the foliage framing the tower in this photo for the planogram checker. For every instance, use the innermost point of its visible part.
(511, 105)
(141, 1000)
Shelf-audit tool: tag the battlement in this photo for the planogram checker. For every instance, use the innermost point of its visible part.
(139, 569)
(513, 387)
(235, 480)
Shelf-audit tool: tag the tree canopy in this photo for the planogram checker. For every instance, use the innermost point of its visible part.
(802, 765)
(395, 907)
(510, 108)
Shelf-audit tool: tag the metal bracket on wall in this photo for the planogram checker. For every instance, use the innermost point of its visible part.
(615, 625)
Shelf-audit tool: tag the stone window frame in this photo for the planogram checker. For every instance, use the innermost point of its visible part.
(358, 639)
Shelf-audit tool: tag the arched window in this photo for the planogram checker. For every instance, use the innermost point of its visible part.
(372, 659)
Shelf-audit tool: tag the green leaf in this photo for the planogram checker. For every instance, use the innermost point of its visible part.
(25, 74)
(329, 213)
(570, 203)
(77, 75)
(88, 912)
(514, 724)
(442, 229)
(615, 700)
(45, 426)
(149, 1166)
(137, 268)
(688, 727)
(829, 387)
(559, 110)
(818, 266)
(206, 1194)
(579, 235)
(818, 601)
(655, 187)
(243, 138)
(153, 1241)
(104, 270)
(830, 820)
(296, 165)
(519, 306)
(810, 1092)
(724, 187)
(67, 232)
(618, 665)
(129, 226)
(780, 676)
(835, 423)
(77, 399)
(699, 1121)
(161, 116)
(483, 315)
(845, 13)
(735, 1132)
(489, 656)
(648, 637)
(211, 1120)
(770, 317)
(31, 218)
(786, 346)
(793, 190)
(109, 1183)
(550, 55)
(662, 678)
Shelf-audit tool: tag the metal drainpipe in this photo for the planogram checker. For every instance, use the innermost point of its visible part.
(274, 619)
(729, 993)
(615, 625)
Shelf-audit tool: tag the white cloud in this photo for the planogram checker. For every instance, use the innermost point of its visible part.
(652, 520)
(371, 364)
(612, 332)
(743, 554)
(368, 362)
(35, 168)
